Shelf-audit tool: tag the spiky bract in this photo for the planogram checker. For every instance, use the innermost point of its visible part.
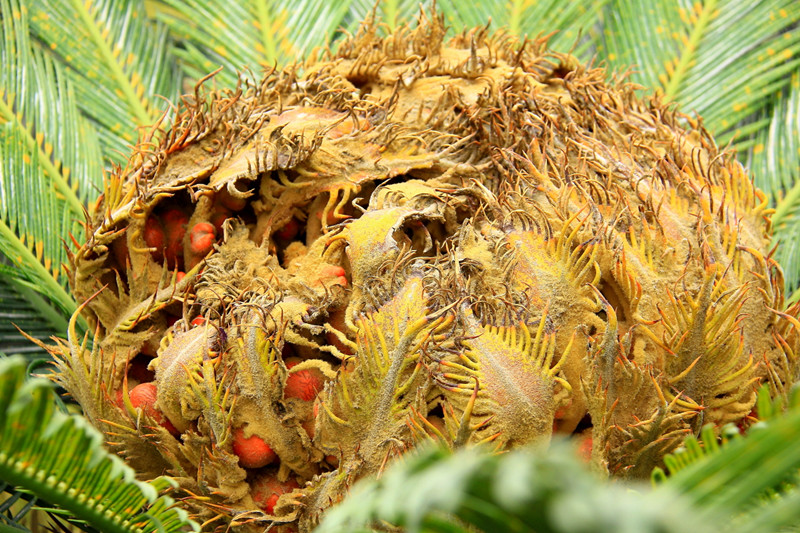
(480, 242)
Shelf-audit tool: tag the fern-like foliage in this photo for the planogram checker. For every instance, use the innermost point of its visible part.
(41, 201)
(61, 459)
(753, 481)
(712, 439)
(118, 61)
(515, 492)
(22, 307)
(774, 158)
(568, 23)
(248, 35)
(698, 53)
(77, 78)
(723, 484)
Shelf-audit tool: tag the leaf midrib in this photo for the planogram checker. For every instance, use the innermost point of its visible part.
(691, 48)
(74, 203)
(55, 290)
(143, 118)
(267, 39)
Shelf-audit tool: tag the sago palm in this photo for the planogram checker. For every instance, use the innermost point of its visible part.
(475, 240)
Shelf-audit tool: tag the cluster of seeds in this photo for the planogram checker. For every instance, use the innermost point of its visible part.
(479, 243)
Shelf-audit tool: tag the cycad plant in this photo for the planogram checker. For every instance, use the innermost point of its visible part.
(82, 81)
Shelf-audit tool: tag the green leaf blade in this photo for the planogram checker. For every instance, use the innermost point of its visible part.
(60, 458)
(115, 59)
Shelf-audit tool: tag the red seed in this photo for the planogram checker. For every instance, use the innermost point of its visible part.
(333, 274)
(179, 276)
(585, 448)
(253, 452)
(333, 271)
(303, 384)
(202, 238)
(175, 221)
(198, 321)
(143, 396)
(154, 237)
(331, 218)
(234, 203)
(289, 231)
(268, 489)
(291, 361)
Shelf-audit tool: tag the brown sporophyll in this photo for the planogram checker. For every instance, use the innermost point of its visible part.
(481, 242)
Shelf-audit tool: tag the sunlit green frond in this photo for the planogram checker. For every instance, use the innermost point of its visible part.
(317, 24)
(569, 20)
(22, 512)
(118, 60)
(61, 459)
(774, 159)
(49, 160)
(694, 450)
(739, 486)
(775, 155)
(737, 482)
(515, 492)
(720, 58)
(252, 35)
(713, 439)
(21, 306)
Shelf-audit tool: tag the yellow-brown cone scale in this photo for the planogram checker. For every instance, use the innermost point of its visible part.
(479, 242)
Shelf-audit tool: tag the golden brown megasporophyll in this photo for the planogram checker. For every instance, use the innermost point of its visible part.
(479, 242)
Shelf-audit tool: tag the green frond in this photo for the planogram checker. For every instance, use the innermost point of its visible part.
(744, 480)
(247, 35)
(14, 506)
(569, 20)
(23, 307)
(774, 158)
(61, 459)
(318, 23)
(740, 485)
(49, 161)
(719, 58)
(695, 450)
(713, 439)
(515, 492)
(117, 59)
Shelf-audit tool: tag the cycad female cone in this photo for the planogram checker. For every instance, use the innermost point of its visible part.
(480, 242)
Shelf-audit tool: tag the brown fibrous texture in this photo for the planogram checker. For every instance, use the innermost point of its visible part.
(478, 242)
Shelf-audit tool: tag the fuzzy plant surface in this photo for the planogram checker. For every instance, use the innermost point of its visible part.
(476, 241)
